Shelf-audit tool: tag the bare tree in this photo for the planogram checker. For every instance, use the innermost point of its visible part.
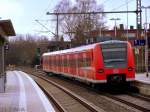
(76, 26)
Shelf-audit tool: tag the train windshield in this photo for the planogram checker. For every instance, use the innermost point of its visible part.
(114, 55)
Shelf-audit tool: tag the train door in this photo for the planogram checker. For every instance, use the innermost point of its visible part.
(76, 65)
(71, 64)
(65, 64)
(56, 61)
(59, 63)
(52, 62)
(68, 65)
(84, 65)
(80, 58)
(89, 65)
(63, 69)
(48, 62)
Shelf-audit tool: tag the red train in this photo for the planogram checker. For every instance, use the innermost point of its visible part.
(108, 61)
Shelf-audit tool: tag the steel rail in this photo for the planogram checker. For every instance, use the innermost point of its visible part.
(54, 100)
(84, 102)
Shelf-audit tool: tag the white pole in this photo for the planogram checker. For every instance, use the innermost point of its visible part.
(127, 19)
(115, 20)
(146, 46)
(115, 28)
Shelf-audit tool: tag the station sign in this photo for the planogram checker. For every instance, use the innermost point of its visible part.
(140, 42)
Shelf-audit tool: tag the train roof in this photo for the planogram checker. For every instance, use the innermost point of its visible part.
(77, 49)
(81, 48)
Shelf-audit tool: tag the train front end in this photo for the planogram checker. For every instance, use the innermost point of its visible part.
(116, 64)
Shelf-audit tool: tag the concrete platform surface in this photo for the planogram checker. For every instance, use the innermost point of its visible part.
(142, 83)
(141, 77)
(23, 95)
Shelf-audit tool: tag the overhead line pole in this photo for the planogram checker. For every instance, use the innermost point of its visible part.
(57, 27)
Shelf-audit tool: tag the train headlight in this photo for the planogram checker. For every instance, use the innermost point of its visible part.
(130, 68)
(100, 70)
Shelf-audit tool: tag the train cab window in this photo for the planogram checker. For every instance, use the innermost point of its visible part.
(65, 61)
(115, 55)
(59, 61)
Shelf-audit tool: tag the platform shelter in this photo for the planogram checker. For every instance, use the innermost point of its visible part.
(6, 30)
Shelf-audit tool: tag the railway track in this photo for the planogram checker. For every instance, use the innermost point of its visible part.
(65, 100)
(139, 96)
(127, 102)
(124, 99)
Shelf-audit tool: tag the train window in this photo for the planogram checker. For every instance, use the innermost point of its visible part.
(65, 61)
(115, 55)
(79, 61)
(50, 61)
(72, 62)
(54, 60)
(86, 60)
(46, 60)
(59, 62)
(68, 60)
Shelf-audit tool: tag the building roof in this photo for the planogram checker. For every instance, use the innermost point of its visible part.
(7, 27)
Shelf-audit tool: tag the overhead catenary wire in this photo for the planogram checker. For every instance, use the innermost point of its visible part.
(44, 20)
(105, 1)
(45, 27)
(122, 5)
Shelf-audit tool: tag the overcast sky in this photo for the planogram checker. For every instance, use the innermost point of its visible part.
(23, 13)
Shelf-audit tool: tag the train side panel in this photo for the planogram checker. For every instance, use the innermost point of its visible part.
(88, 65)
(98, 64)
(131, 65)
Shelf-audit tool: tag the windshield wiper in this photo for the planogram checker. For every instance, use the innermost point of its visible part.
(114, 60)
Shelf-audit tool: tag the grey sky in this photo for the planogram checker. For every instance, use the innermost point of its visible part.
(23, 13)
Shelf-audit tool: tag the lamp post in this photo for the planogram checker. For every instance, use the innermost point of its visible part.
(115, 19)
(146, 39)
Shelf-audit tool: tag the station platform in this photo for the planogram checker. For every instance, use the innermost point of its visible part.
(141, 77)
(22, 94)
(142, 82)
